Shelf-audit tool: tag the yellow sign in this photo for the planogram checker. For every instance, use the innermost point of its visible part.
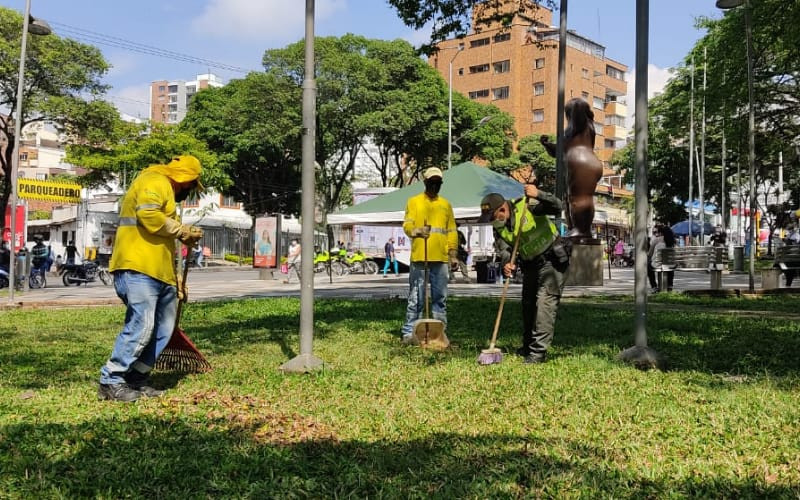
(32, 189)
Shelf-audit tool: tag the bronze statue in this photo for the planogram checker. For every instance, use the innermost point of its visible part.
(583, 168)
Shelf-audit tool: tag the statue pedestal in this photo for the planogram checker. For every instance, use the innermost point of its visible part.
(266, 274)
(586, 263)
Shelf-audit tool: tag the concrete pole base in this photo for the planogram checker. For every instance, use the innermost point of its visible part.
(643, 358)
(266, 274)
(303, 363)
(586, 263)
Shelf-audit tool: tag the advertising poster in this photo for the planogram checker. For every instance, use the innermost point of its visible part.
(19, 239)
(265, 249)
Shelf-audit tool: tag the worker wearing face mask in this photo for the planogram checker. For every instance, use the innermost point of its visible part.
(145, 278)
(544, 259)
(431, 225)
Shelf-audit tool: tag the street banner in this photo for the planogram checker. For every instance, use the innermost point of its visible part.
(264, 250)
(19, 238)
(33, 189)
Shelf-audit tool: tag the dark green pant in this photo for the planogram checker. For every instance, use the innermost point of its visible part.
(542, 285)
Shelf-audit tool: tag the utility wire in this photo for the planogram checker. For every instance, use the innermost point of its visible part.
(99, 38)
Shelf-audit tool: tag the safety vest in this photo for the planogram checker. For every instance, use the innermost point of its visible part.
(437, 213)
(538, 231)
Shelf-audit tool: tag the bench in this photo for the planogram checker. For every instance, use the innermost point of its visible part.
(711, 259)
(787, 262)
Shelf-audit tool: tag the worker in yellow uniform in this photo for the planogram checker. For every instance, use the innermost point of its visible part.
(429, 220)
(143, 265)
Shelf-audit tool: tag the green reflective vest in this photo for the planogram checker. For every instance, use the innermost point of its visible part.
(538, 231)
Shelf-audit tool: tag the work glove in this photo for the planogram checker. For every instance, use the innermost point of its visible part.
(453, 255)
(189, 234)
(421, 232)
(183, 290)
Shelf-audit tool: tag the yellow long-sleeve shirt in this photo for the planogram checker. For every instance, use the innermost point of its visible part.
(437, 213)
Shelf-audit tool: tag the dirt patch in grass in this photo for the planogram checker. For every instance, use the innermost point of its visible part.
(252, 418)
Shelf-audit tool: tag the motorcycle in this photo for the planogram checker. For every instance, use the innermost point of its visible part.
(360, 263)
(75, 274)
(36, 279)
(323, 259)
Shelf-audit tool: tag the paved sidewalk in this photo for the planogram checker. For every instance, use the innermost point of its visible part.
(234, 283)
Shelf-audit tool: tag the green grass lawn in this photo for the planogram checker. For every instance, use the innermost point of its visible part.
(385, 420)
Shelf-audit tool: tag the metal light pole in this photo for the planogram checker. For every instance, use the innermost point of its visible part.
(751, 125)
(640, 355)
(35, 27)
(561, 173)
(691, 149)
(306, 361)
(459, 48)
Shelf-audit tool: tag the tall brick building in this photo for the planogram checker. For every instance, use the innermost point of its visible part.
(514, 65)
(170, 99)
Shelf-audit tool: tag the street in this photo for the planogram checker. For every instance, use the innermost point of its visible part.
(234, 282)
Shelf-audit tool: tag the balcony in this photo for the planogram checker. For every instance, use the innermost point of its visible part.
(616, 108)
(615, 132)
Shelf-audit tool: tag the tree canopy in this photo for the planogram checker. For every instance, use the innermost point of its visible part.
(62, 80)
(448, 18)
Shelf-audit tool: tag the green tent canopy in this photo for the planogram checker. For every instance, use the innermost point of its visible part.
(464, 185)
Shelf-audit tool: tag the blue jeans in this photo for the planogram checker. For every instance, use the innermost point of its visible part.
(149, 322)
(439, 274)
(386, 265)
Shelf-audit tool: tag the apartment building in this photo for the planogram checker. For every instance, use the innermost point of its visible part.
(169, 100)
(514, 65)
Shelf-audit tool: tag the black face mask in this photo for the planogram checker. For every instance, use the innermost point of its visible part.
(184, 193)
(433, 187)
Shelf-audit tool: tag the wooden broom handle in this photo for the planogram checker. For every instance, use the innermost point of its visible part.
(505, 290)
(180, 302)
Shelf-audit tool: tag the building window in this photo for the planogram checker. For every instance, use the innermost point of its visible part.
(538, 115)
(480, 42)
(23, 157)
(477, 94)
(192, 201)
(460, 71)
(616, 120)
(480, 68)
(598, 103)
(500, 93)
(502, 37)
(502, 66)
(585, 96)
(539, 63)
(538, 88)
(227, 201)
(162, 88)
(41, 177)
(598, 128)
(610, 144)
(615, 73)
(585, 73)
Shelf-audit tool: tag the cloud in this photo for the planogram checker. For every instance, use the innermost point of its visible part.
(260, 20)
(657, 79)
(122, 63)
(133, 100)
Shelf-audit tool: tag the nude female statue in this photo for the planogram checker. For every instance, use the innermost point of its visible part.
(583, 168)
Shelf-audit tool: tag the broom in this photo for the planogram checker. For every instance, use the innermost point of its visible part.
(180, 354)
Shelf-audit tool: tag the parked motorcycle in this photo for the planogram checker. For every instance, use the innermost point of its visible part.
(360, 263)
(75, 274)
(36, 279)
(322, 259)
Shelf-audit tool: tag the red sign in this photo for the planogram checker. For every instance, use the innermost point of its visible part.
(19, 239)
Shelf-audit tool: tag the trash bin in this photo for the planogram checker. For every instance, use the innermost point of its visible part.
(482, 270)
(738, 259)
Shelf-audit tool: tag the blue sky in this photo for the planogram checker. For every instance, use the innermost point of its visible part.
(236, 33)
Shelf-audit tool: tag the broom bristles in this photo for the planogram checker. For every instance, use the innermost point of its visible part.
(490, 356)
(180, 355)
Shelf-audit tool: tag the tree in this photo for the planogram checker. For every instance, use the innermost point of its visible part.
(123, 155)
(253, 125)
(776, 103)
(452, 17)
(59, 74)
